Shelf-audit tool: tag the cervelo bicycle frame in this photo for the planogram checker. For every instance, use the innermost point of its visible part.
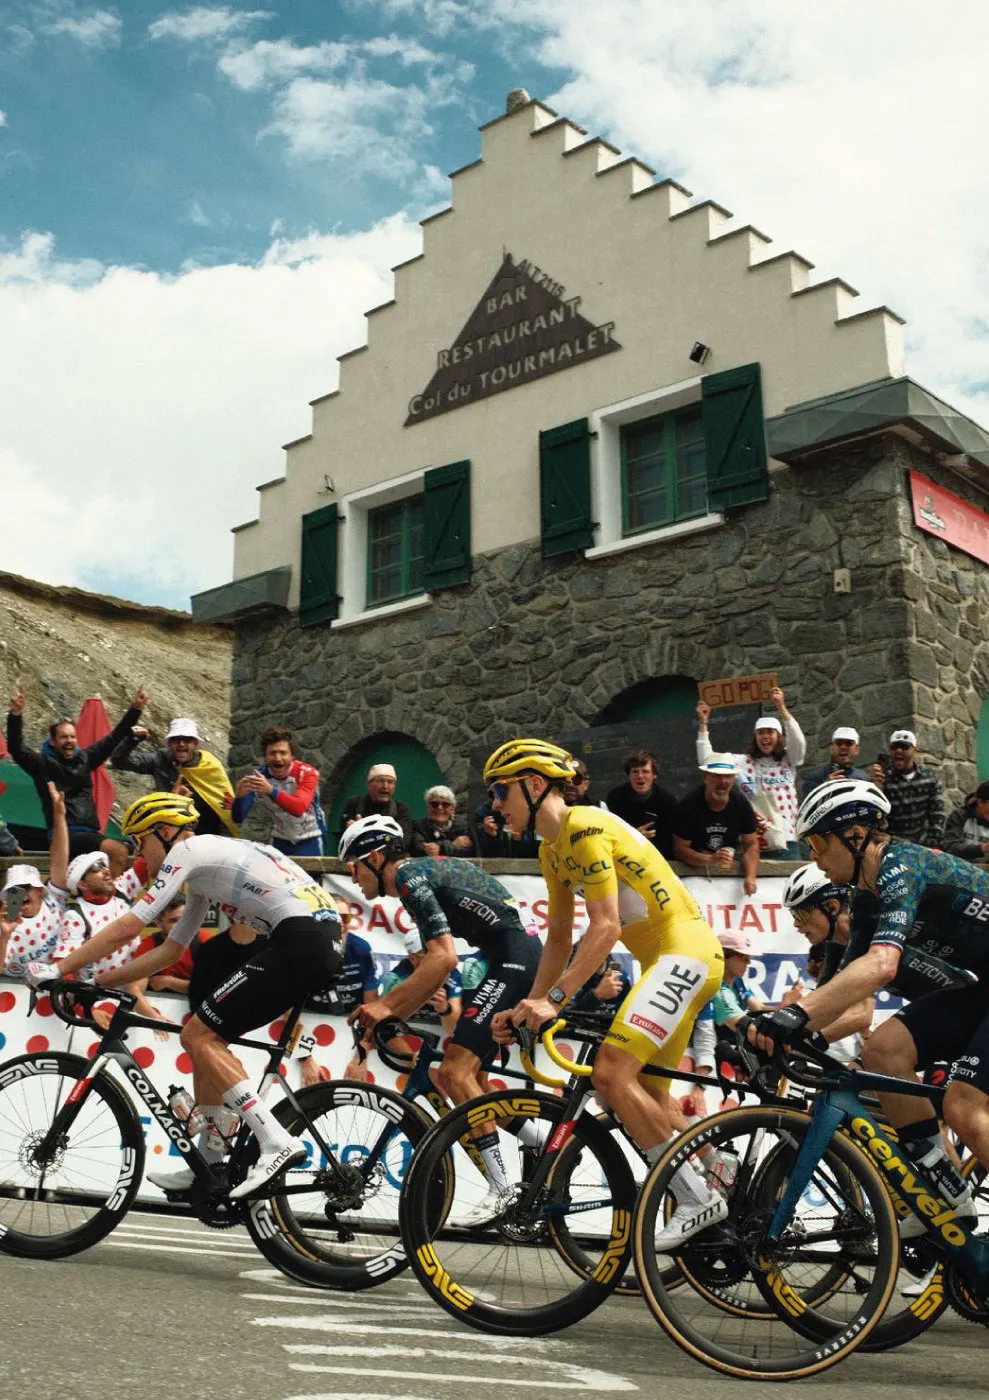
(838, 1104)
(113, 1047)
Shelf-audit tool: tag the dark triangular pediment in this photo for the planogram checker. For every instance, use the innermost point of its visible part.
(523, 328)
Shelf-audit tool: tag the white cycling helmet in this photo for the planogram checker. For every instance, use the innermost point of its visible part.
(845, 802)
(367, 834)
(809, 885)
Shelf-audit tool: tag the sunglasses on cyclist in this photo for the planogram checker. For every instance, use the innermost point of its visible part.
(803, 915)
(817, 843)
(499, 791)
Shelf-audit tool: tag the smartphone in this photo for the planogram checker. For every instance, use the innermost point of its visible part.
(884, 761)
(12, 902)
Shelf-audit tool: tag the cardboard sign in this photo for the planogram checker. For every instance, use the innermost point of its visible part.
(738, 690)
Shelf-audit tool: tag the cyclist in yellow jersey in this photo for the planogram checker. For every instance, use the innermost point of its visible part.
(634, 896)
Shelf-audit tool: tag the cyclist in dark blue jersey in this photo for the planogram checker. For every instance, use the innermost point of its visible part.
(449, 898)
(907, 900)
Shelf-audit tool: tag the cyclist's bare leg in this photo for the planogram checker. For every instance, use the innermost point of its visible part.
(966, 1111)
(459, 1074)
(216, 1068)
(647, 1113)
(891, 1050)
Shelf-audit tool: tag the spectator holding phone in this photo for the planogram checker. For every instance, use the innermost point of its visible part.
(31, 912)
(844, 751)
(967, 831)
(914, 791)
(643, 803)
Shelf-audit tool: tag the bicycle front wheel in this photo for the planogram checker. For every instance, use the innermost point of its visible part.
(509, 1271)
(68, 1173)
(335, 1224)
(818, 1290)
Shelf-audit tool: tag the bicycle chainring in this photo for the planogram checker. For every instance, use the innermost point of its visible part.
(967, 1301)
(216, 1211)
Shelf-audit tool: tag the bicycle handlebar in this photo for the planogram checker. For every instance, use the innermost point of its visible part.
(66, 996)
(391, 1028)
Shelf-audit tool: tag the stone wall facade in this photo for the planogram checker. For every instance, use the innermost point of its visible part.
(543, 646)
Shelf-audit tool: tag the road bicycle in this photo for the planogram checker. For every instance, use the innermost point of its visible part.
(72, 1149)
(811, 1229)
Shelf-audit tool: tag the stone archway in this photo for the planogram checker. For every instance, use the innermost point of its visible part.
(415, 764)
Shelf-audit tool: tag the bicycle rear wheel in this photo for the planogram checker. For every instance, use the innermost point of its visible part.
(819, 1290)
(341, 1230)
(66, 1177)
(511, 1276)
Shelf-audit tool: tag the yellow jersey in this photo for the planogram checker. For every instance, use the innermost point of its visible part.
(597, 854)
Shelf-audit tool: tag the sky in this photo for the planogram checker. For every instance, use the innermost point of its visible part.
(197, 205)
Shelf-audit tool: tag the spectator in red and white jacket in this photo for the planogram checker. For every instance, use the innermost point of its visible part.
(289, 789)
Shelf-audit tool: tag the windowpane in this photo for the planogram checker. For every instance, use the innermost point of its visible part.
(394, 551)
(664, 476)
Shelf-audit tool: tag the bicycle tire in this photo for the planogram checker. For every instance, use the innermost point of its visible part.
(294, 1233)
(524, 1287)
(762, 1348)
(96, 1167)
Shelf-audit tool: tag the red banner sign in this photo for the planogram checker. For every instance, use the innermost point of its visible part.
(946, 515)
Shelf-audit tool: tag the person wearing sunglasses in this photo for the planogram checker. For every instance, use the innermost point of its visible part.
(632, 895)
(440, 832)
(904, 897)
(916, 797)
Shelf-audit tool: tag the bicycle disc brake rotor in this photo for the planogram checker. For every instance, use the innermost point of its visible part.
(967, 1301)
(35, 1163)
(352, 1190)
(512, 1225)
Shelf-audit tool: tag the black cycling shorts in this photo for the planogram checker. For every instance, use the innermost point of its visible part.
(953, 1025)
(300, 957)
(504, 984)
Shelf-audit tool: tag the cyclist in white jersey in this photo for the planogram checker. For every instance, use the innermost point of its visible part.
(299, 954)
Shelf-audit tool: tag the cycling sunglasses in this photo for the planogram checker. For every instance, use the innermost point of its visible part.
(499, 791)
(817, 843)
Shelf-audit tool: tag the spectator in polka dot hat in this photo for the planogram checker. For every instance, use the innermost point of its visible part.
(31, 911)
(767, 774)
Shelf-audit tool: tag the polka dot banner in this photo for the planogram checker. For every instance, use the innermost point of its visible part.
(324, 1034)
(275, 1029)
(36, 1044)
(43, 1006)
(7, 1001)
(183, 1064)
(144, 1056)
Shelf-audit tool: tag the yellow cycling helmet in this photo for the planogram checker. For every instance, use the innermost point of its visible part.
(156, 809)
(521, 756)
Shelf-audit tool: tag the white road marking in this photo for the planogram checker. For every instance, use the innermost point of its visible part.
(328, 1300)
(113, 1243)
(579, 1378)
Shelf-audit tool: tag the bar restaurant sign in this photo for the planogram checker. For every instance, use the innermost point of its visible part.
(524, 327)
(946, 515)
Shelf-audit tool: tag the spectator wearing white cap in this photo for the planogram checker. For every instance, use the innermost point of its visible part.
(715, 823)
(182, 764)
(441, 832)
(767, 772)
(31, 911)
(379, 800)
(97, 900)
(844, 751)
(915, 792)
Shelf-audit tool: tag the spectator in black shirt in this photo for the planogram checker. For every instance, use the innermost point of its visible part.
(441, 832)
(714, 820)
(643, 803)
(577, 791)
(379, 800)
(493, 840)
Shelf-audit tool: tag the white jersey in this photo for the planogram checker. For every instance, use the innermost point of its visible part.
(251, 884)
(35, 940)
(85, 918)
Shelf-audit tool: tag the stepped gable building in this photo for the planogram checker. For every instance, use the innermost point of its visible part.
(604, 444)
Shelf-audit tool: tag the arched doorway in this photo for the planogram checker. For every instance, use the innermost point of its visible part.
(657, 697)
(416, 767)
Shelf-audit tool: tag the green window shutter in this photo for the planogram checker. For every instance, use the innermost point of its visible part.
(446, 521)
(565, 488)
(318, 598)
(735, 438)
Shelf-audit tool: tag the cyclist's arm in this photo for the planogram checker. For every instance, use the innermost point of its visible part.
(108, 941)
(860, 979)
(854, 1021)
(145, 966)
(407, 997)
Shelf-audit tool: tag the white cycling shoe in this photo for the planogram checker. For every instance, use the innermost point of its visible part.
(920, 1285)
(178, 1179)
(689, 1220)
(268, 1166)
(482, 1212)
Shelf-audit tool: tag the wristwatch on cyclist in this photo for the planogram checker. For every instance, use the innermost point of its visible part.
(556, 995)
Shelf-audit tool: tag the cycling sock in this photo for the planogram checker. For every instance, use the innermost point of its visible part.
(265, 1126)
(923, 1145)
(686, 1184)
(533, 1132)
(490, 1150)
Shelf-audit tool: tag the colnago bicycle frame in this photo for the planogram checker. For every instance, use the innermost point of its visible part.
(840, 1106)
(113, 1047)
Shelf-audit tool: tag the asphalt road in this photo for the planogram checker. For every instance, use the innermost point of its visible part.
(167, 1308)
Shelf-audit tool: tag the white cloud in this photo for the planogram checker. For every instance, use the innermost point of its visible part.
(204, 22)
(407, 51)
(100, 30)
(851, 132)
(139, 411)
(3, 118)
(279, 60)
(439, 17)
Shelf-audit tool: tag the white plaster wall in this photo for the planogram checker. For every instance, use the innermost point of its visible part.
(641, 262)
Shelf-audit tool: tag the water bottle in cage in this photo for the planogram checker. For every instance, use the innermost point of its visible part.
(223, 1126)
(724, 1170)
(180, 1101)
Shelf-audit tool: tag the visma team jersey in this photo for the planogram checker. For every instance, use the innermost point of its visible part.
(927, 901)
(452, 896)
(598, 854)
(251, 884)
